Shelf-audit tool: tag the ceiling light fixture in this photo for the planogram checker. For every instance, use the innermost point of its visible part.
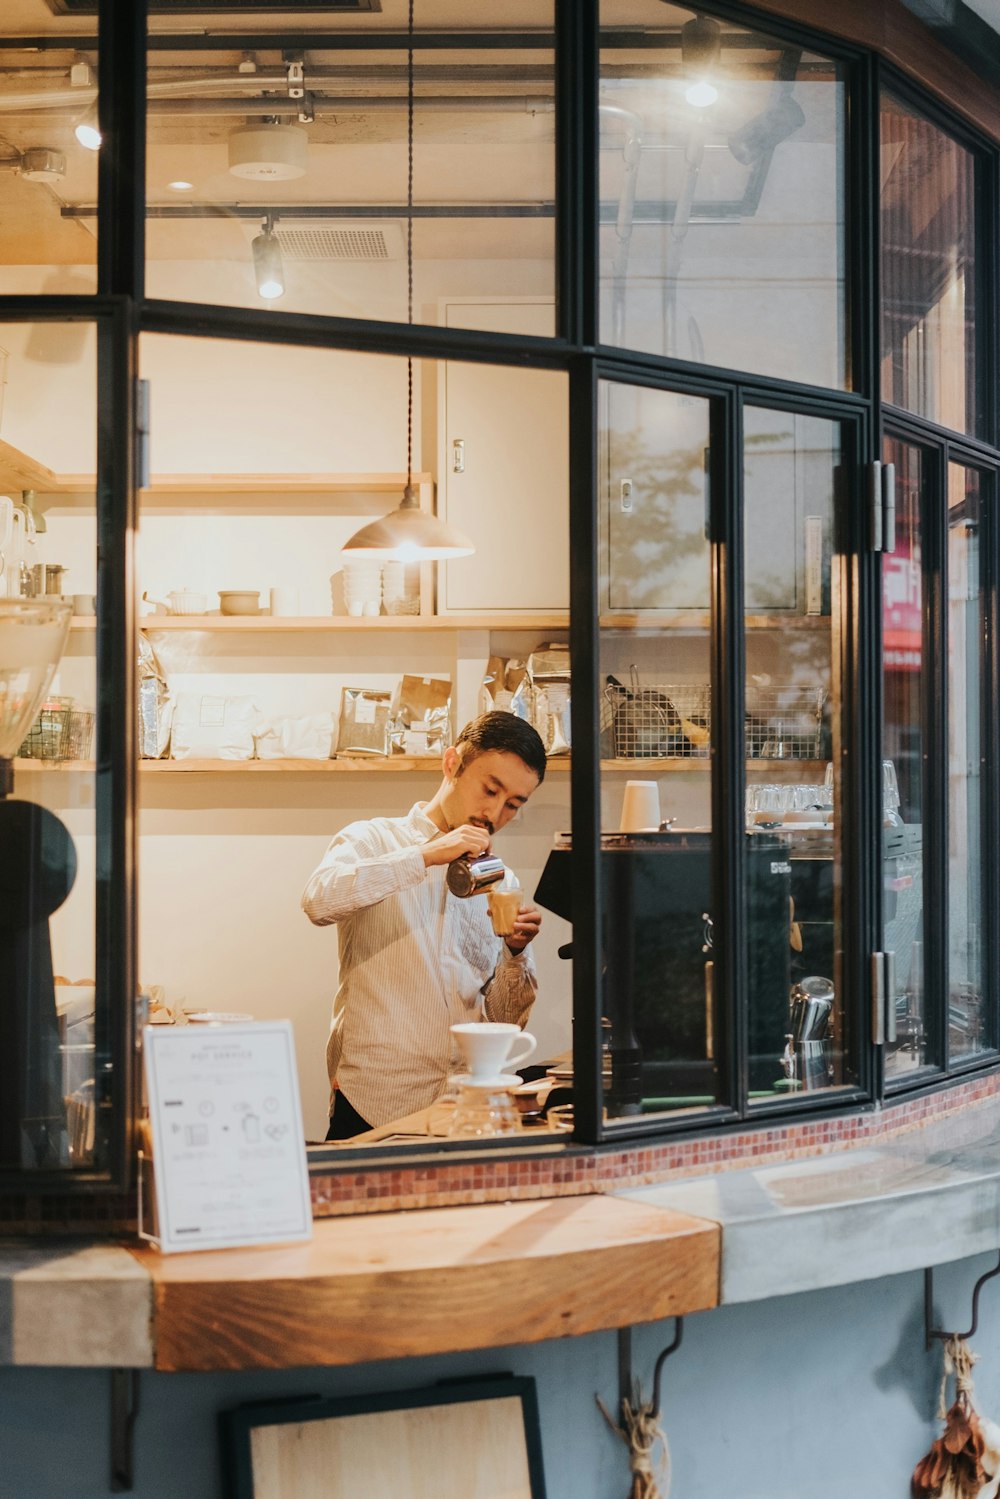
(409, 534)
(180, 186)
(42, 164)
(267, 265)
(268, 152)
(701, 48)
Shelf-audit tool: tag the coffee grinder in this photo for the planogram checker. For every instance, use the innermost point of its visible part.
(37, 870)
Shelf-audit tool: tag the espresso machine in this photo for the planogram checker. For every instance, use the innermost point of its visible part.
(657, 950)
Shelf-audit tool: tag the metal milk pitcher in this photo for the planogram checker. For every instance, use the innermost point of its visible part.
(468, 876)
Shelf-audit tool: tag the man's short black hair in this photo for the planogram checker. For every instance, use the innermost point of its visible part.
(506, 732)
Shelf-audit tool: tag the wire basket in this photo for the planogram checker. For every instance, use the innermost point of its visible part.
(48, 738)
(673, 720)
(81, 734)
(664, 721)
(784, 722)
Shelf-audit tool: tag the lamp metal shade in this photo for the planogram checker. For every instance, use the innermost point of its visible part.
(408, 534)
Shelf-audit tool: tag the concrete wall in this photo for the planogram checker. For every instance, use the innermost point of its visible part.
(814, 1396)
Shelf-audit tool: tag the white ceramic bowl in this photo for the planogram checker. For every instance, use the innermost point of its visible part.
(184, 602)
(239, 601)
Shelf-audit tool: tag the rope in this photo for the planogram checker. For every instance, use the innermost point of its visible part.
(958, 1360)
(642, 1433)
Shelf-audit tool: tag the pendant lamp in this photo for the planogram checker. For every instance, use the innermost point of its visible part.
(409, 534)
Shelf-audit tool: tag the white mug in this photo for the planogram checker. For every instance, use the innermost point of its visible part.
(641, 807)
(284, 601)
(490, 1047)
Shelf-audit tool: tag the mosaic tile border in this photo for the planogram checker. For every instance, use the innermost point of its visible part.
(440, 1184)
(443, 1184)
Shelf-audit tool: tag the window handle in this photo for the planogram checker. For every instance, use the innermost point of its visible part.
(882, 506)
(875, 505)
(883, 984)
(878, 999)
(888, 507)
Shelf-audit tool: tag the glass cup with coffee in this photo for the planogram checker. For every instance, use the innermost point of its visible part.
(504, 902)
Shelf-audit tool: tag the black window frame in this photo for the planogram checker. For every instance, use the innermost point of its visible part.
(123, 312)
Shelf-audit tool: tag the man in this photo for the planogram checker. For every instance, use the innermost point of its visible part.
(414, 958)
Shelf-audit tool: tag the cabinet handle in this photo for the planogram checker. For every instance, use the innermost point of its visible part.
(709, 1037)
(458, 456)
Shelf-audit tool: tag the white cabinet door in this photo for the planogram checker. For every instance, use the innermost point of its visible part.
(504, 473)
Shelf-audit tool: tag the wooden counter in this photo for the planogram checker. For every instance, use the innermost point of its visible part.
(432, 1281)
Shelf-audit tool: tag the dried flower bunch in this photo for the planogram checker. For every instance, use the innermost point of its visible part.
(964, 1462)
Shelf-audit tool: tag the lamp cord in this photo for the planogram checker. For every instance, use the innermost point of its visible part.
(409, 248)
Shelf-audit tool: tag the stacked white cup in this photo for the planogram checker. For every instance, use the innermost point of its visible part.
(362, 586)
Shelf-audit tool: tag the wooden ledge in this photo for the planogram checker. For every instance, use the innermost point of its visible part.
(433, 1280)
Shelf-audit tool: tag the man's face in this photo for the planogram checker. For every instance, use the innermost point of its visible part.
(488, 790)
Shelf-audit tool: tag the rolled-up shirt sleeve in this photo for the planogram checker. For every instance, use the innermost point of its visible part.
(354, 874)
(510, 993)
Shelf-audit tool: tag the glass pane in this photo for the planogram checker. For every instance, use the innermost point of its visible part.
(971, 1026)
(51, 1075)
(792, 604)
(903, 746)
(277, 177)
(659, 1014)
(722, 195)
(929, 232)
(48, 181)
(290, 722)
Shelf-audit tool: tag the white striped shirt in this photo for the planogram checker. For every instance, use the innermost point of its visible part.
(414, 960)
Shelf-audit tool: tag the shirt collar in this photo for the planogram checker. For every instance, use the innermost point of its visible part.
(420, 822)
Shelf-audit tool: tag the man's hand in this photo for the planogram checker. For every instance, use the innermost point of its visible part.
(467, 839)
(526, 926)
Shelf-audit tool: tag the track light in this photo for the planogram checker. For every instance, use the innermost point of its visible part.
(701, 47)
(701, 94)
(87, 132)
(267, 262)
(767, 130)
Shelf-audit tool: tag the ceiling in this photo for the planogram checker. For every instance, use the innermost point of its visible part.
(484, 137)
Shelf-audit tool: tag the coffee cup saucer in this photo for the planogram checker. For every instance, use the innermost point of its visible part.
(502, 1080)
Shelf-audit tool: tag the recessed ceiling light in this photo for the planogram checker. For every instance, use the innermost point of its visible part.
(180, 186)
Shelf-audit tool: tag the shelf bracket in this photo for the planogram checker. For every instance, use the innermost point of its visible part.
(625, 1380)
(124, 1410)
(930, 1331)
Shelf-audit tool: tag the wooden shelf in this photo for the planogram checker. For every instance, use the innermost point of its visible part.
(394, 764)
(320, 624)
(18, 471)
(279, 483)
(61, 767)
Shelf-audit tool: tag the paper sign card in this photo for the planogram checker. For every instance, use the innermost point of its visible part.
(229, 1151)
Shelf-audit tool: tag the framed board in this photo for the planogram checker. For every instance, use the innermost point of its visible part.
(473, 1439)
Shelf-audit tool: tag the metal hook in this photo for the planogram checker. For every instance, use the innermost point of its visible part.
(625, 1363)
(936, 1332)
